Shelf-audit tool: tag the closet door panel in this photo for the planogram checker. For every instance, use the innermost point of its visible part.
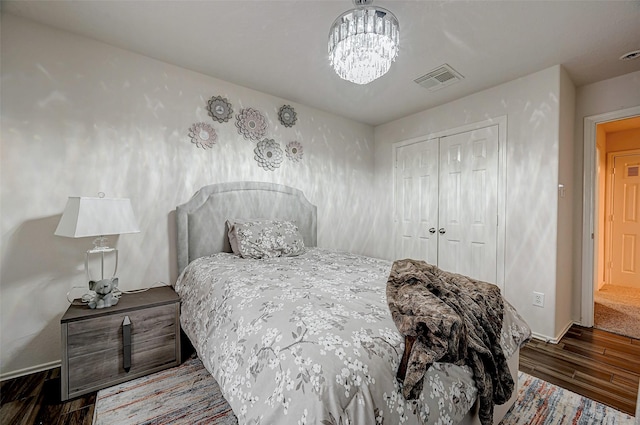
(451, 206)
(468, 203)
(417, 201)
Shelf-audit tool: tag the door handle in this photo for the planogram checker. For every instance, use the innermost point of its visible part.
(441, 231)
(432, 230)
(126, 344)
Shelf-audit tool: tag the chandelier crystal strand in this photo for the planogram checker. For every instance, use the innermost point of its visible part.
(363, 42)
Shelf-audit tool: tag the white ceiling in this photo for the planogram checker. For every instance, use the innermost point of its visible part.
(280, 47)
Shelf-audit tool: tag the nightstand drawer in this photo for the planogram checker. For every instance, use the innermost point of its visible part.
(104, 367)
(94, 335)
(95, 352)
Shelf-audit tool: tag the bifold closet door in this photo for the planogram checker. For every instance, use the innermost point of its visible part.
(417, 201)
(468, 203)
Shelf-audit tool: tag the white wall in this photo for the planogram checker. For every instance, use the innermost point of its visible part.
(606, 96)
(564, 275)
(79, 117)
(531, 105)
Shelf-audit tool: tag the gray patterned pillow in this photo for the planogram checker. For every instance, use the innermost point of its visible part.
(264, 238)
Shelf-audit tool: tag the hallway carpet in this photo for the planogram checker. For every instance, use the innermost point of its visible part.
(617, 310)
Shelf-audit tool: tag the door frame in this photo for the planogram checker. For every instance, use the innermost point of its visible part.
(501, 122)
(589, 197)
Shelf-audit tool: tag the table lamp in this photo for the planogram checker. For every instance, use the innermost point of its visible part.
(91, 217)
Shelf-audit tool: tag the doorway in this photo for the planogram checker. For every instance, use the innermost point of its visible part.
(616, 283)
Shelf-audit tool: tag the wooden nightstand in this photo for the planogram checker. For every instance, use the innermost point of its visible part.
(94, 353)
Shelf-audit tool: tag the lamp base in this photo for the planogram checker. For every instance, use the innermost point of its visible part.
(100, 250)
(102, 292)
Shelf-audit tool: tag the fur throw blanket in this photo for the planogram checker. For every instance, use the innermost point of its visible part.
(447, 317)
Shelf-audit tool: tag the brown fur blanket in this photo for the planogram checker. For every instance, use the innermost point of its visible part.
(448, 317)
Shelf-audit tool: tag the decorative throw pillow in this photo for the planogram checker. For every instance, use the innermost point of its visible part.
(264, 238)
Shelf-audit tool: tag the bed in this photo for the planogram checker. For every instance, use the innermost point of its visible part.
(306, 338)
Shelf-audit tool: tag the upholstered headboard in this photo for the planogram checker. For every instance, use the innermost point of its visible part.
(201, 221)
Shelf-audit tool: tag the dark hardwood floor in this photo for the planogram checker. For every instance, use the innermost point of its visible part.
(35, 399)
(596, 364)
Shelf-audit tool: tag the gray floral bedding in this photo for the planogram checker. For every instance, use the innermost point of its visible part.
(310, 340)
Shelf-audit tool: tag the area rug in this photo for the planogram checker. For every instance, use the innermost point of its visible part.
(188, 395)
(183, 395)
(617, 310)
(542, 403)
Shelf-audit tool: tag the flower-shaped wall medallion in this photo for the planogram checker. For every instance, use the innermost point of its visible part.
(268, 154)
(203, 135)
(287, 116)
(251, 124)
(220, 109)
(294, 151)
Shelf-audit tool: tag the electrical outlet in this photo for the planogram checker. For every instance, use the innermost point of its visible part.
(538, 299)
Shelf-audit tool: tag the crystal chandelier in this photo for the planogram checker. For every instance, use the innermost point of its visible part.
(363, 42)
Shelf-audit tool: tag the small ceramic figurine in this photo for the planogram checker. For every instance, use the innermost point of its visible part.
(105, 290)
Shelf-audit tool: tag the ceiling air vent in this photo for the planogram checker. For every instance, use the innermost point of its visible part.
(440, 77)
(630, 56)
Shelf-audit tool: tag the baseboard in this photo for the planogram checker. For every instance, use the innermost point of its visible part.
(540, 337)
(565, 330)
(557, 338)
(30, 370)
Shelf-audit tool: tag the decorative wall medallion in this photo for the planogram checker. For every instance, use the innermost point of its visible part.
(294, 151)
(203, 135)
(268, 154)
(287, 116)
(220, 109)
(251, 124)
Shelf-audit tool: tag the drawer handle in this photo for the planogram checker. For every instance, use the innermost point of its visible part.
(126, 344)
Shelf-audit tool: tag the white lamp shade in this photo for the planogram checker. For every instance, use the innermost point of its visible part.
(85, 217)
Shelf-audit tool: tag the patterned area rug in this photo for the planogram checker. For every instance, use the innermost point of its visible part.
(542, 403)
(183, 395)
(188, 395)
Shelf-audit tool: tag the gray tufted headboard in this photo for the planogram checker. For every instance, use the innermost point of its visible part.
(201, 221)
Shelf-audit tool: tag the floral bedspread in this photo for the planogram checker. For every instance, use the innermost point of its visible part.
(310, 340)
